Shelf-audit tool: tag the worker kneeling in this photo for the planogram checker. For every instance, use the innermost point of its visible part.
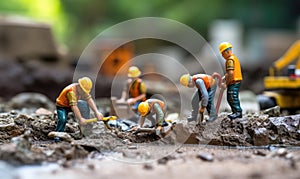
(149, 108)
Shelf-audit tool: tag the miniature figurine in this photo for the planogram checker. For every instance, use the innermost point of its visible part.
(206, 88)
(149, 108)
(75, 98)
(232, 78)
(135, 87)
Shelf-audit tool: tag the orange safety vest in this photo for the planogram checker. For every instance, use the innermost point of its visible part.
(134, 89)
(204, 77)
(62, 99)
(237, 72)
(151, 103)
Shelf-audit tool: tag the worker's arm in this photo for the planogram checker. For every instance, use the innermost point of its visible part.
(131, 101)
(141, 121)
(142, 89)
(72, 99)
(229, 71)
(77, 113)
(92, 105)
(204, 94)
(229, 77)
(159, 114)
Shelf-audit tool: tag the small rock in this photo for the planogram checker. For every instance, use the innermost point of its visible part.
(62, 135)
(259, 152)
(281, 152)
(165, 160)
(91, 166)
(180, 151)
(205, 157)
(162, 161)
(148, 166)
(126, 141)
(132, 147)
(13, 112)
(289, 156)
(43, 111)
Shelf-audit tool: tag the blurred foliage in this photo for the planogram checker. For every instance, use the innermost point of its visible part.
(44, 11)
(76, 22)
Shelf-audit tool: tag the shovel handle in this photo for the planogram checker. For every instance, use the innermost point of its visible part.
(91, 120)
(105, 119)
(109, 118)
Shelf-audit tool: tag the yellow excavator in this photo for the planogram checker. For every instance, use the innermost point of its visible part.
(282, 87)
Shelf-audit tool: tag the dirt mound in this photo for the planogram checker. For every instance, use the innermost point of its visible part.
(251, 130)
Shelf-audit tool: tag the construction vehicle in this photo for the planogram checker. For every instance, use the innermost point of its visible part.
(282, 86)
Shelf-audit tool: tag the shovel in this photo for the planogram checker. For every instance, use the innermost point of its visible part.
(105, 120)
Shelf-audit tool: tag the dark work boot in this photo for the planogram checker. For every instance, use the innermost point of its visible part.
(235, 115)
(56, 139)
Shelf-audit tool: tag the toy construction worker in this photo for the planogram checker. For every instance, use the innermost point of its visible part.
(135, 88)
(149, 108)
(232, 78)
(206, 87)
(75, 98)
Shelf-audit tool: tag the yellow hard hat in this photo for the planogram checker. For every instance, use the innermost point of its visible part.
(86, 84)
(223, 46)
(134, 72)
(184, 79)
(143, 108)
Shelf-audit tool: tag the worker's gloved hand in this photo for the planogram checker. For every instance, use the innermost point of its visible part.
(201, 110)
(158, 130)
(82, 121)
(99, 116)
(131, 101)
(223, 86)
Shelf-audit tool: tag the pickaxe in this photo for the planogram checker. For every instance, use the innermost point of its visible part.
(218, 76)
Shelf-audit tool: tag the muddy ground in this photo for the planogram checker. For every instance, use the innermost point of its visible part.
(186, 162)
(259, 145)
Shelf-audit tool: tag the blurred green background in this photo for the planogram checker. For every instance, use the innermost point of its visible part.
(76, 22)
(261, 31)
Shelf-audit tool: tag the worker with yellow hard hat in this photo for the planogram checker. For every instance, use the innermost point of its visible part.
(135, 89)
(232, 78)
(150, 107)
(75, 98)
(206, 88)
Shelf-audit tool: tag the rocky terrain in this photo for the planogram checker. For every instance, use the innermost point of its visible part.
(262, 139)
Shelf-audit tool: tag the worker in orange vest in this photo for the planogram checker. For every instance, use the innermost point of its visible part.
(232, 78)
(206, 87)
(75, 98)
(149, 108)
(135, 89)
